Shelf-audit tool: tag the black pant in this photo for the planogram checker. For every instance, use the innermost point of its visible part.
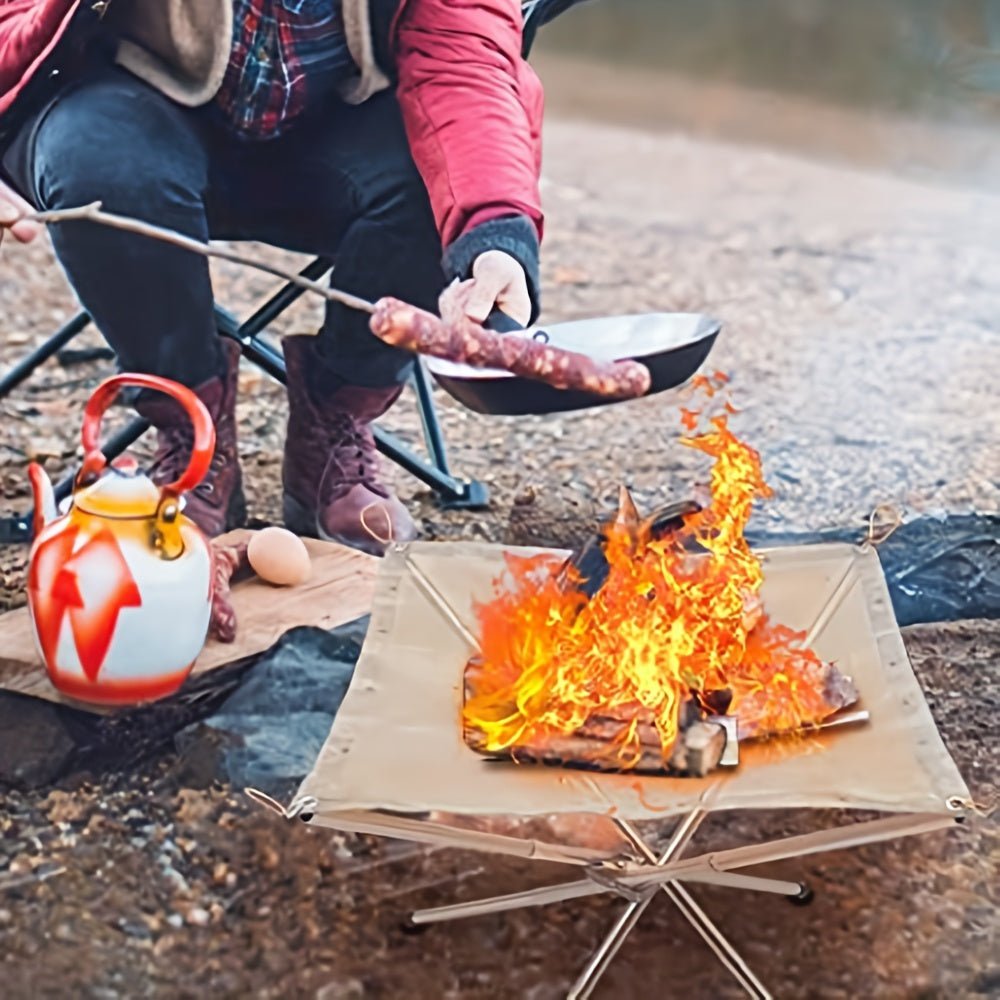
(341, 184)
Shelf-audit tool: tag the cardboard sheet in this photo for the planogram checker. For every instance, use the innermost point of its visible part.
(341, 588)
(396, 743)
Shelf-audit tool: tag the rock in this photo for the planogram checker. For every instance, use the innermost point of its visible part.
(200, 754)
(64, 933)
(198, 916)
(341, 989)
(66, 807)
(36, 744)
(173, 876)
(268, 732)
(134, 928)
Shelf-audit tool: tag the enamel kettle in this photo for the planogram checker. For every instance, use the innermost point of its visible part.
(120, 584)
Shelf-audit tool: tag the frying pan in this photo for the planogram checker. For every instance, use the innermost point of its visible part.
(671, 345)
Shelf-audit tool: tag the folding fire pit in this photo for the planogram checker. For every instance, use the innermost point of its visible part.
(396, 759)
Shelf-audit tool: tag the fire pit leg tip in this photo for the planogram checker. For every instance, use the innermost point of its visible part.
(803, 897)
(409, 927)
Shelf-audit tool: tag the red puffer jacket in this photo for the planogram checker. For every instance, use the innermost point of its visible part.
(29, 33)
(471, 104)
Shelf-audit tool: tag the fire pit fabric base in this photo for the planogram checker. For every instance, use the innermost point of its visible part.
(397, 741)
(396, 751)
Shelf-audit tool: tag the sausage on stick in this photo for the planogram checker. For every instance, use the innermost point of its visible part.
(465, 342)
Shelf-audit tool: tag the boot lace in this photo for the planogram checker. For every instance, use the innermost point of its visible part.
(173, 451)
(352, 459)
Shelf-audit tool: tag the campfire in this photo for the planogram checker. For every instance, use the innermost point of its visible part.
(650, 648)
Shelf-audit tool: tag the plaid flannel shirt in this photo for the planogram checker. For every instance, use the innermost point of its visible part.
(286, 55)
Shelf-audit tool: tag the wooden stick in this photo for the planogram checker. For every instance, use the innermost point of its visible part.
(94, 213)
(405, 326)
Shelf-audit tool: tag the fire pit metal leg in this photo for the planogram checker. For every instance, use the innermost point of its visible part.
(607, 949)
(615, 938)
(542, 896)
(716, 940)
(701, 922)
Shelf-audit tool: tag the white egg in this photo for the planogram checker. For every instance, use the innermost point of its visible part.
(279, 557)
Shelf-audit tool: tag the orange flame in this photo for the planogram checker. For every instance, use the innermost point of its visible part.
(677, 616)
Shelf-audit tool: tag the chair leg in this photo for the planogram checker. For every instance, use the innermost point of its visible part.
(26, 366)
(452, 493)
(472, 495)
(429, 418)
(17, 530)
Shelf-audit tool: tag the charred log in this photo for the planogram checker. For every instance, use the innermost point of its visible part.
(696, 751)
(600, 742)
(588, 567)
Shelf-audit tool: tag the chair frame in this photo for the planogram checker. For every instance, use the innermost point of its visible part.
(452, 492)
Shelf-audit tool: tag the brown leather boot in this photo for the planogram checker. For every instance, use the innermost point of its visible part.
(332, 487)
(217, 504)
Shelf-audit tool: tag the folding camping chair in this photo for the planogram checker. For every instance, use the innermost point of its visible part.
(396, 756)
(452, 492)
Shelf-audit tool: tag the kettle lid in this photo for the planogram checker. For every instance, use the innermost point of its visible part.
(122, 491)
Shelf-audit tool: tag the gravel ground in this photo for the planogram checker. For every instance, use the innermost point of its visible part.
(860, 331)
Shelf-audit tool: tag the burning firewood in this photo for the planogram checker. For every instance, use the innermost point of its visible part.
(462, 341)
(624, 657)
(587, 569)
(597, 744)
(761, 709)
(697, 752)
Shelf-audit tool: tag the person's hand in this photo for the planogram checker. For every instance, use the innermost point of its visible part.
(12, 208)
(498, 281)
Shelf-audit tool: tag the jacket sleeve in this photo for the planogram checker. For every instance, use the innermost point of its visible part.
(28, 29)
(473, 112)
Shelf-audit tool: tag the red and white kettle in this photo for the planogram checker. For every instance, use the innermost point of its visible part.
(120, 585)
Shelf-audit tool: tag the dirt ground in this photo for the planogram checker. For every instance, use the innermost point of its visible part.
(860, 331)
(133, 886)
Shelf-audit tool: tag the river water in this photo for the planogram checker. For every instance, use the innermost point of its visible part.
(907, 85)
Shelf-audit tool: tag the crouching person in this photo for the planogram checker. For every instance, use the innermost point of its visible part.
(399, 137)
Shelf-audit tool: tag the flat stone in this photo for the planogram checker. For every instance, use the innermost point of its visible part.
(36, 744)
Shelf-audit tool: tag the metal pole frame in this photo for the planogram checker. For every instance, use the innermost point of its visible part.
(636, 876)
(452, 493)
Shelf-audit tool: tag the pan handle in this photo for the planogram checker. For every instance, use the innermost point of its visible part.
(499, 322)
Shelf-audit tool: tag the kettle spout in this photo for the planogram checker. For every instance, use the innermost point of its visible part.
(45, 498)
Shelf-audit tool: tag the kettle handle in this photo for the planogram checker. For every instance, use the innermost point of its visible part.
(202, 449)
